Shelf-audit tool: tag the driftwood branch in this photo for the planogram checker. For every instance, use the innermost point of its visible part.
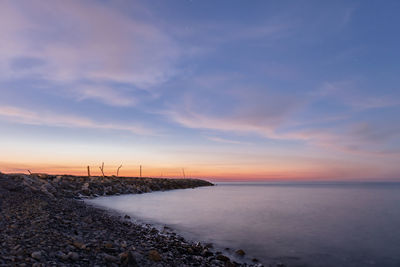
(118, 169)
(29, 172)
(102, 169)
(88, 171)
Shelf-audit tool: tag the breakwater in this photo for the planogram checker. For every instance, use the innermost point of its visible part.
(43, 223)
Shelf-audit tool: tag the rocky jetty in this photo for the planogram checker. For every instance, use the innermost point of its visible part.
(42, 223)
(69, 186)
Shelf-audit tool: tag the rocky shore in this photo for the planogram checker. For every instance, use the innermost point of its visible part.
(68, 186)
(43, 223)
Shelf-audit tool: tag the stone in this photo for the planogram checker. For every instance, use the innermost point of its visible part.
(108, 245)
(223, 258)
(209, 245)
(154, 255)
(73, 256)
(61, 255)
(207, 253)
(79, 245)
(229, 264)
(240, 252)
(110, 258)
(124, 244)
(128, 259)
(37, 255)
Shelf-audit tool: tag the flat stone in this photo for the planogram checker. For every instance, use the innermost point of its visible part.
(37, 255)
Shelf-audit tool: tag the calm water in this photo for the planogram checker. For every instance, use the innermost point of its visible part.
(300, 224)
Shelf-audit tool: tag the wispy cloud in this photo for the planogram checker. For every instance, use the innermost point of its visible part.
(350, 94)
(261, 119)
(225, 141)
(105, 94)
(88, 41)
(360, 138)
(25, 116)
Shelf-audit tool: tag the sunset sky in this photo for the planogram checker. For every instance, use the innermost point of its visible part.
(226, 90)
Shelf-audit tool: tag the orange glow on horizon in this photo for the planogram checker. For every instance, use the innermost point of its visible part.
(208, 173)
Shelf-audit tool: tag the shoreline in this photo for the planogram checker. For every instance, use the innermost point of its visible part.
(43, 223)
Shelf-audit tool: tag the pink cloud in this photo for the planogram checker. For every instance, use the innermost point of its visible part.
(85, 40)
(224, 140)
(24, 116)
(104, 94)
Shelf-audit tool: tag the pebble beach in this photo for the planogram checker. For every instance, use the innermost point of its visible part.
(44, 222)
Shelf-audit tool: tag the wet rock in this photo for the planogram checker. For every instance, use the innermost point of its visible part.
(240, 252)
(223, 258)
(209, 245)
(207, 253)
(229, 264)
(63, 231)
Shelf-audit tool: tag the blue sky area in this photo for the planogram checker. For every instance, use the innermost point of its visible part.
(225, 89)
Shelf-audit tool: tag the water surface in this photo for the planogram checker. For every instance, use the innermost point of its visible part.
(300, 224)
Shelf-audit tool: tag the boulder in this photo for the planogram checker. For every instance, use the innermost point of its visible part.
(154, 255)
(240, 252)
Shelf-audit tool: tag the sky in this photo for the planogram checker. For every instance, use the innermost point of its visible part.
(224, 90)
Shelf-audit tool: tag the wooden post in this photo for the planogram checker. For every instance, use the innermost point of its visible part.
(118, 169)
(140, 171)
(88, 171)
(102, 168)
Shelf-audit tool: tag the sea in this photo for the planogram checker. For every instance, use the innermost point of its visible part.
(298, 224)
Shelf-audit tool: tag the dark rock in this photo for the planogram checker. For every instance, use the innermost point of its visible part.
(223, 258)
(61, 255)
(240, 252)
(154, 255)
(229, 264)
(207, 253)
(43, 224)
(209, 245)
(79, 245)
(73, 256)
(128, 259)
(37, 255)
(110, 258)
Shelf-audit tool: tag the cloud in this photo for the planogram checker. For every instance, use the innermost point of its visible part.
(224, 140)
(348, 93)
(247, 113)
(367, 139)
(104, 94)
(24, 116)
(91, 41)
